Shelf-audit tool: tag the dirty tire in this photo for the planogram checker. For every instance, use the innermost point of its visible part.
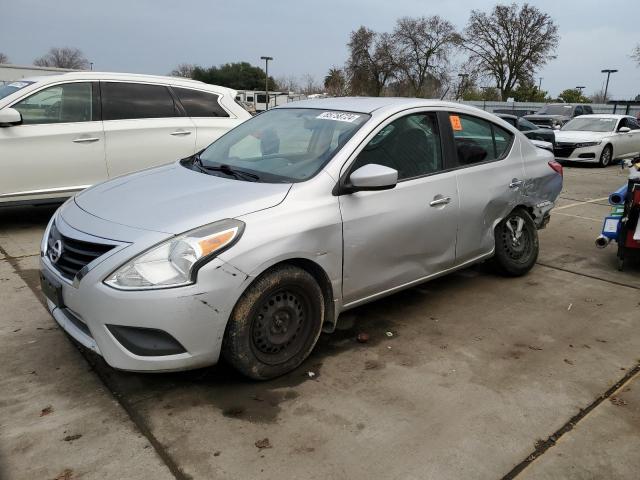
(514, 257)
(275, 324)
(605, 156)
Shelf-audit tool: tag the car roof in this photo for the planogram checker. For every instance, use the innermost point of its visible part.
(132, 77)
(371, 104)
(605, 115)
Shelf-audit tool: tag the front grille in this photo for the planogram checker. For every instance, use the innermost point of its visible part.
(564, 150)
(68, 255)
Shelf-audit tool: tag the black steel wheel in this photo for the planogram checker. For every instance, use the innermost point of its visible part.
(275, 323)
(516, 244)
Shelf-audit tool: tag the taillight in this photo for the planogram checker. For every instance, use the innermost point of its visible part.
(557, 167)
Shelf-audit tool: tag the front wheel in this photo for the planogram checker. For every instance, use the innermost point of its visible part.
(605, 156)
(275, 324)
(517, 245)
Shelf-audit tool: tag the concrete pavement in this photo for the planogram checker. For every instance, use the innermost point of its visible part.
(478, 373)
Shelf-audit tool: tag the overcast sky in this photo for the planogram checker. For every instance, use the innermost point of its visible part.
(152, 36)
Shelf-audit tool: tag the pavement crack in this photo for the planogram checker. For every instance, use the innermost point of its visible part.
(593, 277)
(543, 445)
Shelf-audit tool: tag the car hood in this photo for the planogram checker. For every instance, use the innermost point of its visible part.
(576, 136)
(174, 199)
(545, 117)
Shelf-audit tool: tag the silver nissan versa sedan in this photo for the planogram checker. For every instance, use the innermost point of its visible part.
(255, 245)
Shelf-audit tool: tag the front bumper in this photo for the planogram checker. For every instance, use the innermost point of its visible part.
(582, 154)
(195, 316)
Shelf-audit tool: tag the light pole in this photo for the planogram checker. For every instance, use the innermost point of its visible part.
(463, 77)
(539, 83)
(580, 88)
(484, 97)
(606, 88)
(91, 65)
(266, 80)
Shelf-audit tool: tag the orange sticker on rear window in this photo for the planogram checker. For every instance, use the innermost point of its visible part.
(456, 124)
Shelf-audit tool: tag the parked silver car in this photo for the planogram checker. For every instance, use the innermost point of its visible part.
(254, 246)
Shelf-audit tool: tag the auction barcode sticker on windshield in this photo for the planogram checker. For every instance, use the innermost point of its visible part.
(339, 116)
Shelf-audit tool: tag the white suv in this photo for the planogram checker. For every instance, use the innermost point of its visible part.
(62, 133)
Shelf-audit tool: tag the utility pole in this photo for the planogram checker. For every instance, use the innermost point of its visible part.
(606, 89)
(266, 80)
(463, 77)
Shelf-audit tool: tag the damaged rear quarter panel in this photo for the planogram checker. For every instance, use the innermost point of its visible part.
(543, 184)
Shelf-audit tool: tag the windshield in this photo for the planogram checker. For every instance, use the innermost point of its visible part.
(555, 110)
(8, 88)
(283, 145)
(590, 124)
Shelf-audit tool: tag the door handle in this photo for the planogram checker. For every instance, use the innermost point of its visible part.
(85, 140)
(180, 133)
(439, 201)
(515, 183)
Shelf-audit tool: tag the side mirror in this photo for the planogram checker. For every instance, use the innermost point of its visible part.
(624, 130)
(10, 117)
(373, 177)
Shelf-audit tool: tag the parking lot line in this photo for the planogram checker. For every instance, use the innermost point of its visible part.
(594, 200)
(599, 220)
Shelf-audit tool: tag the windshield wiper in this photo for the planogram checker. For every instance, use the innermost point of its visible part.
(226, 169)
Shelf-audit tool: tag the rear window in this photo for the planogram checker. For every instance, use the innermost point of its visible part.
(121, 101)
(200, 104)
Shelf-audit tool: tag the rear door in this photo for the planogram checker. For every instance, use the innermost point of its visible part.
(398, 236)
(490, 175)
(58, 149)
(634, 137)
(144, 126)
(210, 118)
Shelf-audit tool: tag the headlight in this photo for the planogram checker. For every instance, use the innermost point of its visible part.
(174, 262)
(587, 144)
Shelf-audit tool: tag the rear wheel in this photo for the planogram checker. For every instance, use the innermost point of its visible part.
(275, 324)
(605, 156)
(517, 245)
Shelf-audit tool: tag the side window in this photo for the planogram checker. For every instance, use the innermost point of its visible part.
(578, 111)
(478, 140)
(121, 101)
(410, 145)
(66, 103)
(525, 125)
(632, 124)
(622, 123)
(588, 109)
(199, 104)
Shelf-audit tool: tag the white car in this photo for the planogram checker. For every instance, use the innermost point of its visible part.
(63, 133)
(598, 138)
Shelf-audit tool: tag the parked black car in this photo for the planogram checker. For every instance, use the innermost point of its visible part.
(531, 130)
(554, 115)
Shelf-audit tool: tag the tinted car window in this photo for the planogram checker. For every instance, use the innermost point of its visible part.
(578, 111)
(633, 124)
(525, 125)
(478, 140)
(122, 101)
(199, 104)
(66, 103)
(588, 109)
(410, 145)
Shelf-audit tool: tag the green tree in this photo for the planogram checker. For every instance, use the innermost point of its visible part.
(573, 95)
(335, 82)
(240, 76)
(526, 91)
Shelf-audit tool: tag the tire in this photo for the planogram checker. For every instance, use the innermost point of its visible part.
(260, 340)
(605, 156)
(513, 256)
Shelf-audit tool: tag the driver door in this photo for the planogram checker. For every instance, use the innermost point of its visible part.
(394, 237)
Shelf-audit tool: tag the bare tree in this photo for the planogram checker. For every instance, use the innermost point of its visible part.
(424, 46)
(371, 61)
(63, 58)
(287, 83)
(184, 70)
(510, 43)
(335, 82)
(309, 85)
(3, 58)
(598, 97)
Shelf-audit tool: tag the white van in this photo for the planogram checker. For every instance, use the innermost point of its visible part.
(62, 133)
